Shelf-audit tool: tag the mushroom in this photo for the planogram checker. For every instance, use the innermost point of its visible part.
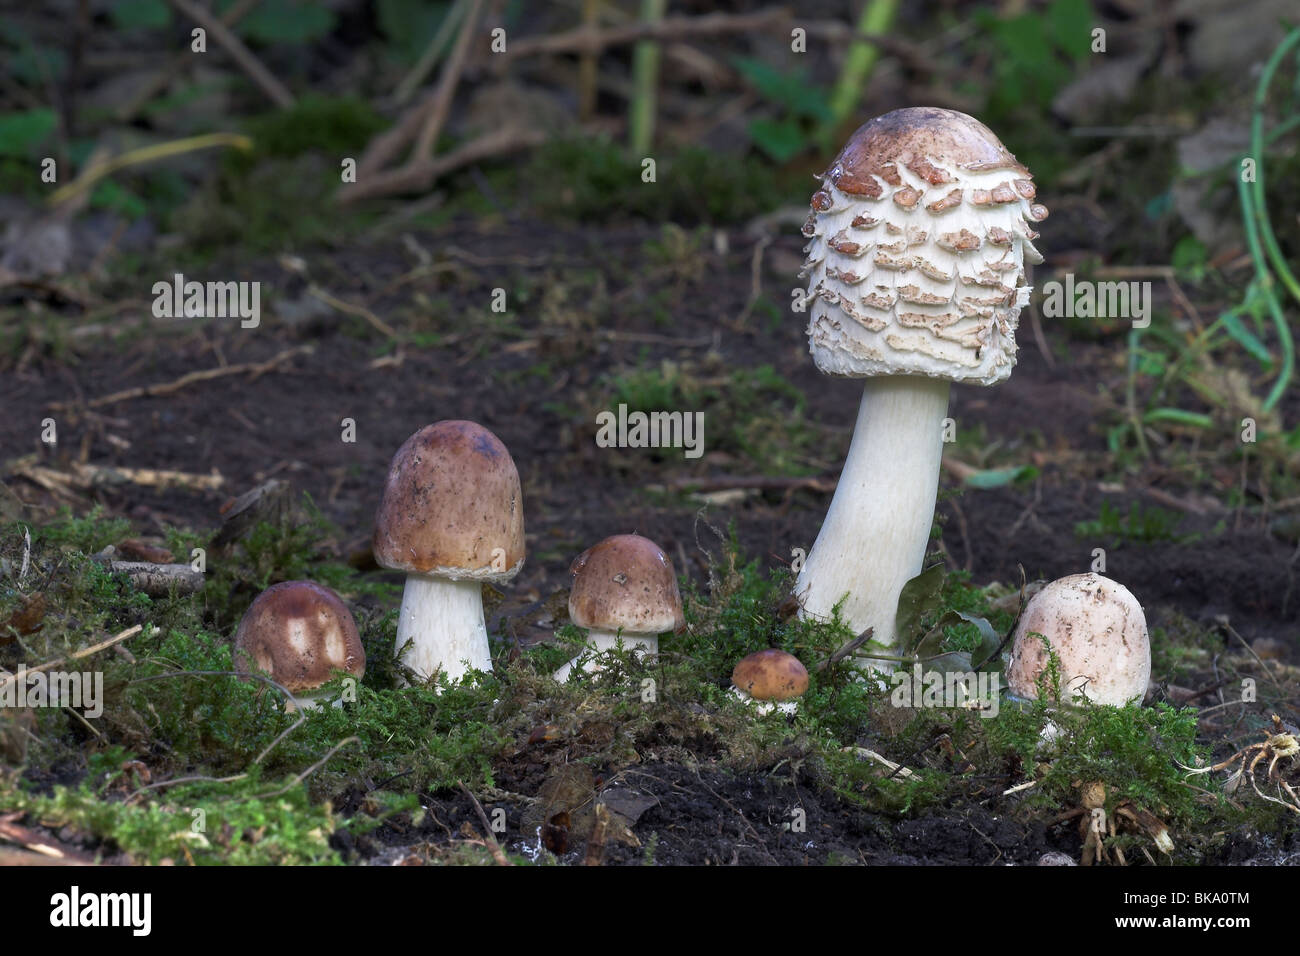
(773, 677)
(299, 633)
(915, 262)
(623, 588)
(1098, 632)
(451, 518)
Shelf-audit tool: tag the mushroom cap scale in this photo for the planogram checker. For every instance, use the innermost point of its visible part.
(1097, 630)
(928, 202)
(625, 582)
(298, 633)
(452, 506)
(771, 675)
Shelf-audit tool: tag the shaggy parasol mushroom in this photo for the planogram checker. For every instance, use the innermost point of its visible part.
(451, 518)
(771, 677)
(1097, 630)
(624, 589)
(298, 633)
(918, 240)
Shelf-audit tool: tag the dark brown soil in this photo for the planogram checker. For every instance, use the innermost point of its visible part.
(287, 424)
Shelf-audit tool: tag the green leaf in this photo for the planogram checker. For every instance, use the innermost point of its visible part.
(1189, 255)
(792, 90)
(990, 641)
(1178, 416)
(782, 140)
(21, 132)
(409, 25)
(287, 21)
(109, 195)
(1069, 24)
(919, 598)
(1246, 339)
(1000, 477)
(140, 14)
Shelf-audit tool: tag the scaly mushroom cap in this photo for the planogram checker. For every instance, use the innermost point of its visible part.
(918, 240)
(1098, 631)
(771, 675)
(625, 582)
(298, 633)
(452, 507)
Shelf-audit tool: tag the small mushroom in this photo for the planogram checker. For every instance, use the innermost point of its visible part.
(909, 324)
(298, 634)
(623, 588)
(451, 517)
(771, 679)
(1097, 630)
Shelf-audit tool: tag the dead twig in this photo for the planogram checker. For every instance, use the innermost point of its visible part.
(158, 580)
(76, 656)
(588, 40)
(242, 55)
(419, 175)
(358, 310)
(844, 651)
(255, 369)
(426, 118)
(163, 78)
(735, 482)
(495, 848)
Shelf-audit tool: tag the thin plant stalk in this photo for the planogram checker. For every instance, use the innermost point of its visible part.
(645, 80)
(876, 18)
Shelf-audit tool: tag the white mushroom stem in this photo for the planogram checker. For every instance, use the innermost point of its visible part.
(444, 621)
(601, 642)
(876, 532)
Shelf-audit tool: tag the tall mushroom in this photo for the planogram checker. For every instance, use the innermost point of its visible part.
(298, 633)
(1097, 630)
(623, 589)
(918, 238)
(451, 518)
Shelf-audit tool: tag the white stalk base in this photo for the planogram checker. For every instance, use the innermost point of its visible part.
(299, 702)
(765, 707)
(876, 532)
(598, 642)
(444, 621)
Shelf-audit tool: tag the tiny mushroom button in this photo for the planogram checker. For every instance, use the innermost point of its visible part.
(298, 634)
(623, 588)
(451, 518)
(772, 678)
(918, 240)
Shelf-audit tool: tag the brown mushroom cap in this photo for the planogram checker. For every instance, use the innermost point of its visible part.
(298, 633)
(771, 675)
(910, 137)
(625, 582)
(452, 504)
(1097, 630)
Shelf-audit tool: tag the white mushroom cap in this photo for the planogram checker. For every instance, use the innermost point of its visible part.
(918, 240)
(1097, 630)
